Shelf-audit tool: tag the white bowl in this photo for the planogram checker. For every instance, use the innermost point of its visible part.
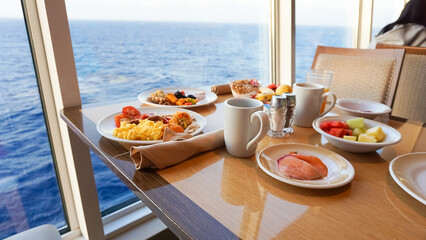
(245, 88)
(362, 108)
(392, 135)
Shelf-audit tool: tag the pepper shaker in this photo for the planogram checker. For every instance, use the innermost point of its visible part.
(277, 113)
(290, 105)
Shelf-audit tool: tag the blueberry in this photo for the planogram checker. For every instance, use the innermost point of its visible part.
(179, 94)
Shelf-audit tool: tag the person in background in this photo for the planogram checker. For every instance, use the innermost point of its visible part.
(408, 30)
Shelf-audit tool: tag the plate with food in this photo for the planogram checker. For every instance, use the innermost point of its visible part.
(305, 166)
(177, 97)
(356, 134)
(146, 125)
(409, 172)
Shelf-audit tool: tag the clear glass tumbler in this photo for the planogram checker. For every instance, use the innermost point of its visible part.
(322, 77)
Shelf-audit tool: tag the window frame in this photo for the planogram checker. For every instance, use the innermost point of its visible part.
(363, 28)
(50, 40)
(283, 41)
(48, 31)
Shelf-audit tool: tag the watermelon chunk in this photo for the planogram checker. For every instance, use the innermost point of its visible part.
(325, 126)
(337, 132)
(347, 132)
(337, 124)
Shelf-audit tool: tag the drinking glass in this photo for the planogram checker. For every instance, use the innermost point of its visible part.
(322, 77)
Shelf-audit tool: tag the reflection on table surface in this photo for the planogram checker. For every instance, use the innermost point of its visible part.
(246, 201)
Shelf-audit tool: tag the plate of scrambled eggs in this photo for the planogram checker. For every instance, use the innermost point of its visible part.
(146, 125)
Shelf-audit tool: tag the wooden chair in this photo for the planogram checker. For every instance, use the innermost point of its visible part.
(370, 74)
(410, 97)
(43, 232)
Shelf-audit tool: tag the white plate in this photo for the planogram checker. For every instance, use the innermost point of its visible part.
(340, 171)
(106, 125)
(409, 172)
(208, 98)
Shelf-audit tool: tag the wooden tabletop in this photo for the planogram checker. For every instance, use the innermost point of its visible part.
(214, 195)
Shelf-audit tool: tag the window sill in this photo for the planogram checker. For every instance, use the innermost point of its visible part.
(133, 220)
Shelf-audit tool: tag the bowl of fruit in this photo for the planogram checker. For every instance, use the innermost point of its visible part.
(246, 88)
(362, 108)
(356, 134)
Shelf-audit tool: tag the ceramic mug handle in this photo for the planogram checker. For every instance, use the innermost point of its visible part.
(333, 102)
(264, 125)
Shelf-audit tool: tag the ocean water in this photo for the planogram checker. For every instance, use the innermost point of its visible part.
(117, 60)
(29, 194)
(130, 57)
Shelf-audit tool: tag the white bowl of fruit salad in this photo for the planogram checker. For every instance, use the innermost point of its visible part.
(355, 134)
(246, 88)
(362, 108)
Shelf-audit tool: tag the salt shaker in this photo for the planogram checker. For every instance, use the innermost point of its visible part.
(290, 104)
(277, 113)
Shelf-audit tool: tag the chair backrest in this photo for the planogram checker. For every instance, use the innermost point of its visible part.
(410, 97)
(370, 74)
(43, 232)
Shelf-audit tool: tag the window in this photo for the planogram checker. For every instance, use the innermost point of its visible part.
(125, 47)
(155, 44)
(29, 192)
(385, 12)
(327, 23)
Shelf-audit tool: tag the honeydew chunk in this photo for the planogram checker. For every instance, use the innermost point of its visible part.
(366, 138)
(358, 131)
(356, 123)
(350, 138)
(377, 132)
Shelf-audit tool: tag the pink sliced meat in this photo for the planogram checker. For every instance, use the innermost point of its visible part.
(295, 168)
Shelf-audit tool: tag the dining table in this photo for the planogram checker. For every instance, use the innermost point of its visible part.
(214, 195)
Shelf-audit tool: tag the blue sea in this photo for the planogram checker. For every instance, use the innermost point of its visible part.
(117, 60)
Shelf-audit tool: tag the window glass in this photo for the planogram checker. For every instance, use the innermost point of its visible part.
(29, 193)
(385, 12)
(122, 48)
(327, 23)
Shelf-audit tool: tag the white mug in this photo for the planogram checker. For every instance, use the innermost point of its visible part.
(245, 124)
(309, 97)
